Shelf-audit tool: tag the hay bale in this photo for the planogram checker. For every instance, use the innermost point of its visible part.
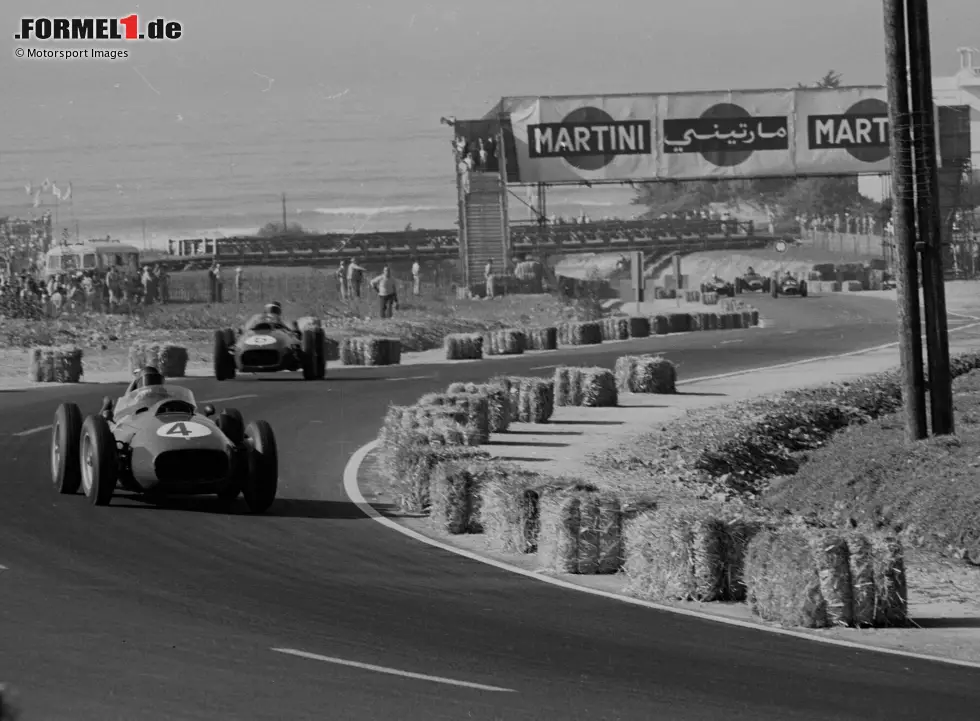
(535, 400)
(615, 328)
(684, 553)
(558, 541)
(692, 296)
(504, 342)
(891, 585)
(832, 560)
(654, 374)
(585, 333)
(598, 387)
(746, 319)
(568, 386)
(580, 530)
(852, 286)
(474, 406)
(660, 325)
(754, 316)
(371, 351)
(498, 402)
(56, 364)
(463, 346)
(680, 323)
(331, 348)
(453, 493)
(709, 298)
(861, 561)
(695, 324)
(724, 321)
(639, 326)
(170, 360)
(623, 371)
(714, 321)
(508, 512)
(782, 579)
(541, 338)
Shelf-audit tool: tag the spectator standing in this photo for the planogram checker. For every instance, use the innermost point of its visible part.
(114, 284)
(342, 280)
(213, 283)
(416, 278)
(163, 279)
(239, 284)
(488, 277)
(355, 277)
(384, 284)
(483, 156)
(149, 286)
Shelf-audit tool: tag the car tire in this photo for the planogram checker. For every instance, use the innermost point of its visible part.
(803, 290)
(232, 424)
(309, 355)
(738, 286)
(66, 432)
(766, 285)
(262, 480)
(98, 461)
(224, 363)
(321, 354)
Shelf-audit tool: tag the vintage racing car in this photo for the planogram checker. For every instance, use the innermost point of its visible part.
(789, 285)
(155, 441)
(752, 282)
(719, 286)
(265, 344)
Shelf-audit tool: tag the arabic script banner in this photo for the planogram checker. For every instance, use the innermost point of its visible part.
(842, 130)
(726, 134)
(568, 139)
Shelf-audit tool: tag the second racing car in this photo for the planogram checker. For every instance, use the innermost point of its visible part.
(752, 282)
(789, 284)
(155, 441)
(715, 284)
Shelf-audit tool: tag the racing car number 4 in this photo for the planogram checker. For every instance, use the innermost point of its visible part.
(183, 429)
(260, 340)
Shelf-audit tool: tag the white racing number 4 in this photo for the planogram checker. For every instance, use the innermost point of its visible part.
(183, 429)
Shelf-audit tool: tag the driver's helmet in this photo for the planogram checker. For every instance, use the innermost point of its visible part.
(750, 271)
(274, 308)
(149, 377)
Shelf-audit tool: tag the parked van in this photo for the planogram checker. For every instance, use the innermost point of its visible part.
(93, 255)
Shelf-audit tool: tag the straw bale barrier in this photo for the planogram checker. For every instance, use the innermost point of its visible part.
(578, 386)
(692, 296)
(532, 400)
(474, 406)
(696, 321)
(645, 374)
(639, 326)
(56, 364)
(509, 517)
(170, 360)
(823, 286)
(331, 348)
(454, 496)
(686, 553)
(584, 333)
(724, 321)
(818, 578)
(580, 531)
(463, 346)
(504, 342)
(709, 298)
(498, 402)
(746, 321)
(541, 338)
(371, 351)
(659, 325)
(679, 323)
(852, 286)
(615, 328)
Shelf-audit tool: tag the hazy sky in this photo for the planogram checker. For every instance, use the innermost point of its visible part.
(459, 56)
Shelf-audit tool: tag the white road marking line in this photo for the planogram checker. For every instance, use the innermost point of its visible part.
(726, 342)
(231, 398)
(411, 378)
(32, 431)
(391, 671)
(542, 368)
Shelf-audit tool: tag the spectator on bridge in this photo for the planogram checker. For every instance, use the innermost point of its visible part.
(240, 284)
(488, 277)
(341, 274)
(384, 284)
(482, 155)
(416, 278)
(355, 277)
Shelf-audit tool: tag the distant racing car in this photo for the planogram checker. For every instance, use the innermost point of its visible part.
(789, 285)
(752, 282)
(265, 344)
(719, 286)
(155, 441)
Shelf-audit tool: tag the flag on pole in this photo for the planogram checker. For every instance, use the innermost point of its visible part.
(29, 188)
(37, 199)
(67, 195)
(56, 191)
(45, 186)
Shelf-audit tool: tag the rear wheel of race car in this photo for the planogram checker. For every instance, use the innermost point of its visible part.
(232, 424)
(310, 353)
(262, 480)
(224, 362)
(803, 289)
(766, 285)
(97, 451)
(321, 354)
(66, 472)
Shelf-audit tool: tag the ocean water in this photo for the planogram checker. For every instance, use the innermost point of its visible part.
(218, 167)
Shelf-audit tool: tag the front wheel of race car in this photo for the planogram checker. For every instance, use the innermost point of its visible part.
(321, 354)
(66, 472)
(97, 451)
(224, 362)
(262, 479)
(310, 353)
(803, 290)
(232, 424)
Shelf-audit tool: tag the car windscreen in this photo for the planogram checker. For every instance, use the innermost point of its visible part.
(153, 394)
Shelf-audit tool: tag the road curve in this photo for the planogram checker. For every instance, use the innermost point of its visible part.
(135, 612)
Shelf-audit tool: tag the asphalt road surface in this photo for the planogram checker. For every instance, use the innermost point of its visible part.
(138, 612)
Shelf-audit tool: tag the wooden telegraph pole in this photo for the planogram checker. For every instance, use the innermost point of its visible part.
(903, 193)
(928, 217)
(285, 229)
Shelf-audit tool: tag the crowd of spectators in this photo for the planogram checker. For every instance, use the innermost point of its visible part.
(845, 222)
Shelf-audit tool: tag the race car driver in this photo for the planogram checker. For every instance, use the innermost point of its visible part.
(149, 377)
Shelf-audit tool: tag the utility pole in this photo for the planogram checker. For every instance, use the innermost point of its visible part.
(285, 228)
(928, 217)
(903, 195)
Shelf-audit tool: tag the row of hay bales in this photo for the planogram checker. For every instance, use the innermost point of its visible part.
(708, 552)
(833, 286)
(63, 364)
